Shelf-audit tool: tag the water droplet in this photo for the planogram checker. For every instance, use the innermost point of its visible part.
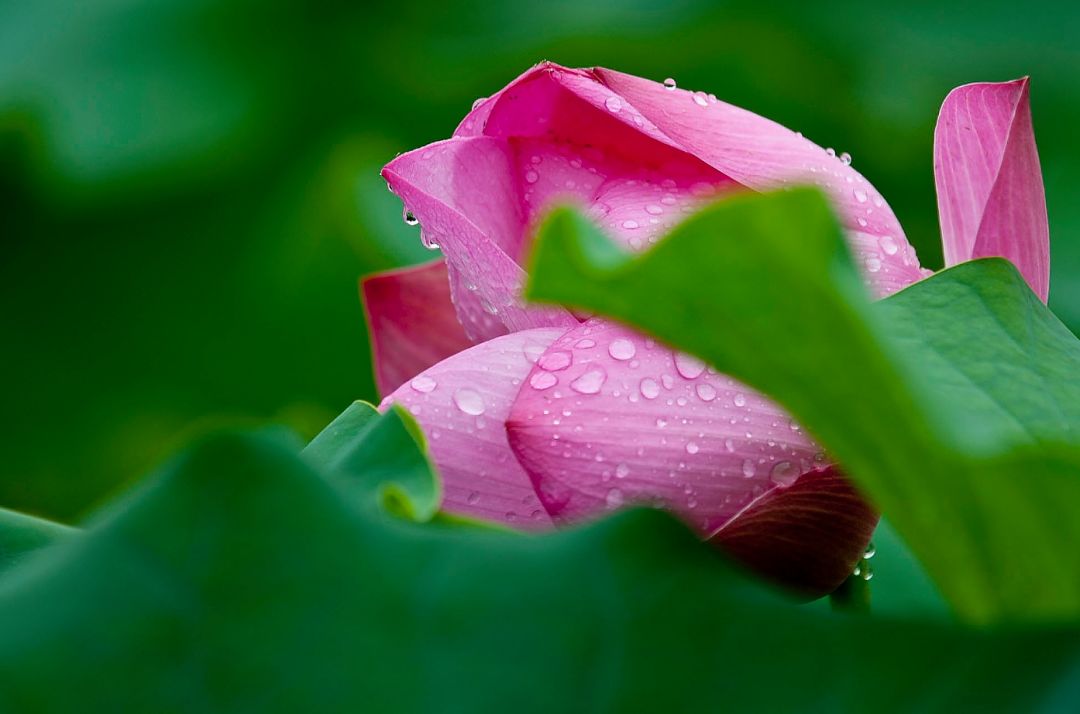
(862, 221)
(614, 104)
(873, 264)
(860, 195)
(622, 349)
(653, 210)
(865, 571)
(729, 444)
(888, 245)
(649, 388)
(706, 392)
(423, 384)
(409, 218)
(543, 380)
(585, 344)
(479, 100)
(701, 99)
(555, 361)
(630, 225)
(531, 176)
(473, 498)
(688, 366)
(669, 84)
(691, 447)
(661, 422)
(794, 426)
(469, 401)
(871, 551)
(830, 151)
(784, 473)
(590, 382)
(614, 498)
(622, 471)
(739, 399)
(748, 468)
(845, 159)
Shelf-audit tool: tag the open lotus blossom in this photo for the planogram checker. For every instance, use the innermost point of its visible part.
(538, 417)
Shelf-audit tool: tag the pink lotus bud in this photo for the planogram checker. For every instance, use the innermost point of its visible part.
(549, 419)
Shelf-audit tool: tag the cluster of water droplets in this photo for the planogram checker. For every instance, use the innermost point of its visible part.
(862, 568)
(701, 436)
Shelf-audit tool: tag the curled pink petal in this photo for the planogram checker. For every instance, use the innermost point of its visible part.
(634, 133)
(462, 404)
(808, 536)
(608, 417)
(463, 193)
(411, 321)
(990, 189)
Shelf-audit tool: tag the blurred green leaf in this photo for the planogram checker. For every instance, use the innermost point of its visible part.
(381, 456)
(21, 534)
(954, 404)
(238, 579)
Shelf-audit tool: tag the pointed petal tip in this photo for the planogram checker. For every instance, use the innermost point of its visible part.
(411, 320)
(991, 200)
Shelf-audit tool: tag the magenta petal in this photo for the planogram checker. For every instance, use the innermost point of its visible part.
(808, 536)
(464, 193)
(762, 155)
(608, 417)
(990, 189)
(412, 322)
(461, 404)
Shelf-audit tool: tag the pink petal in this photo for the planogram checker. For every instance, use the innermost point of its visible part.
(411, 321)
(608, 417)
(635, 130)
(990, 188)
(464, 193)
(461, 404)
(808, 536)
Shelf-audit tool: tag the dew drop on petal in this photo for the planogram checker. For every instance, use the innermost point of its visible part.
(653, 210)
(531, 176)
(701, 99)
(469, 401)
(706, 392)
(739, 399)
(630, 224)
(622, 471)
(784, 473)
(691, 447)
(543, 380)
(614, 104)
(555, 361)
(585, 344)
(669, 84)
(888, 245)
(423, 384)
(873, 264)
(688, 366)
(614, 498)
(590, 382)
(649, 388)
(860, 195)
(748, 468)
(845, 159)
(622, 349)
(830, 151)
(409, 218)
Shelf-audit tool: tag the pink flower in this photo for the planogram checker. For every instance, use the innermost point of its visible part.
(552, 417)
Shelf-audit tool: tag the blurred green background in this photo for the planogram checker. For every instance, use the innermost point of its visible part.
(190, 189)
